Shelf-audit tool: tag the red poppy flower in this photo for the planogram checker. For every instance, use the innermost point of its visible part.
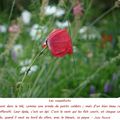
(59, 43)
(106, 38)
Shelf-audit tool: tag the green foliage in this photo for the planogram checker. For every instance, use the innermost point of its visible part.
(70, 76)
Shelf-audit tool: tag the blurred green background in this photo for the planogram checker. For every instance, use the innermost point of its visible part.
(93, 70)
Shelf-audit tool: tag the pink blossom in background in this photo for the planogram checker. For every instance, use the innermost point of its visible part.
(14, 28)
(78, 9)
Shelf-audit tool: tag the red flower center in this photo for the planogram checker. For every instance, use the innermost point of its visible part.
(59, 43)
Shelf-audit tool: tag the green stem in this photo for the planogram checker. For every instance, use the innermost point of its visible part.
(105, 64)
(27, 71)
(13, 4)
(103, 15)
(87, 81)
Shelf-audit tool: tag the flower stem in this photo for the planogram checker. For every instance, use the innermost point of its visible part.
(11, 11)
(27, 71)
(90, 78)
(103, 15)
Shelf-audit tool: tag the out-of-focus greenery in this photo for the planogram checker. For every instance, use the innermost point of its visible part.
(92, 70)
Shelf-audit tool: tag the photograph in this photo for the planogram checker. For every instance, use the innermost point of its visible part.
(59, 48)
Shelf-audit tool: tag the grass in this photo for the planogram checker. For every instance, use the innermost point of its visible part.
(70, 76)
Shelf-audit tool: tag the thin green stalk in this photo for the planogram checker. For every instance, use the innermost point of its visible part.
(103, 15)
(87, 81)
(27, 71)
(116, 5)
(107, 63)
(13, 4)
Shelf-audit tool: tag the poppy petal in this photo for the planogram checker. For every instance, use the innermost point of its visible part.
(59, 43)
